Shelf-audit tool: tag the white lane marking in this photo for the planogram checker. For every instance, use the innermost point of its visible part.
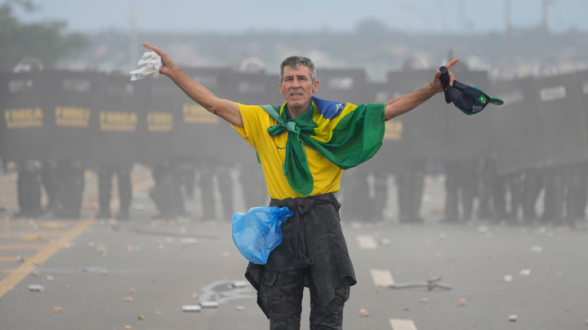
(402, 324)
(382, 277)
(366, 242)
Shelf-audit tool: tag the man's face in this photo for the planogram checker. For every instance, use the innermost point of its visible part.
(297, 86)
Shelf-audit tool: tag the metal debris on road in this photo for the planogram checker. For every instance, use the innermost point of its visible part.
(512, 318)
(189, 240)
(191, 308)
(36, 288)
(430, 284)
(209, 304)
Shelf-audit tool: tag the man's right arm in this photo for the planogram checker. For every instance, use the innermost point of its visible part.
(228, 110)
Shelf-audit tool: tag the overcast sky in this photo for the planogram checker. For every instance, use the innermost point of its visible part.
(234, 16)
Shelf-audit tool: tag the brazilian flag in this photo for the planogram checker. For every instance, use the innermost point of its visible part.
(345, 134)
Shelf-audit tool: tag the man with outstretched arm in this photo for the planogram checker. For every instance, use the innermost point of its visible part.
(303, 146)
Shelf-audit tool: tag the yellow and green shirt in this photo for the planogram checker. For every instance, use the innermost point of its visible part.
(325, 140)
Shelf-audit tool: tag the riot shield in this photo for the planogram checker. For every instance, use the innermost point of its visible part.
(390, 158)
(519, 133)
(73, 97)
(249, 89)
(195, 130)
(583, 89)
(25, 116)
(342, 85)
(4, 78)
(424, 128)
(114, 137)
(154, 103)
(564, 119)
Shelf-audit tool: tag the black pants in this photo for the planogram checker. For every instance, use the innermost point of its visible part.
(284, 303)
(125, 190)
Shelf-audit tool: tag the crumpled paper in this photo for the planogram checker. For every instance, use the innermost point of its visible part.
(152, 66)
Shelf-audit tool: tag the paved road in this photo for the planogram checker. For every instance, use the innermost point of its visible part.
(108, 274)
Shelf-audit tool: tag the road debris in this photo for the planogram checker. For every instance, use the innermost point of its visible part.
(195, 295)
(191, 308)
(36, 288)
(461, 302)
(50, 278)
(19, 259)
(525, 272)
(129, 299)
(141, 317)
(209, 304)
(132, 291)
(239, 308)
(430, 284)
(506, 278)
(536, 248)
(189, 240)
(239, 284)
(363, 312)
(512, 318)
(57, 309)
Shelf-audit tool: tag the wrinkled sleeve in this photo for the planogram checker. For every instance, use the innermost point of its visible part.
(251, 123)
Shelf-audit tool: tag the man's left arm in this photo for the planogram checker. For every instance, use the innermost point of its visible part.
(404, 103)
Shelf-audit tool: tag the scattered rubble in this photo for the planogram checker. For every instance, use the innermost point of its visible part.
(363, 312)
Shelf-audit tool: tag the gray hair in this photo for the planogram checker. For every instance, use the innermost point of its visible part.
(294, 62)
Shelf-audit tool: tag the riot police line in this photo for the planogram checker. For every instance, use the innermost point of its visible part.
(497, 164)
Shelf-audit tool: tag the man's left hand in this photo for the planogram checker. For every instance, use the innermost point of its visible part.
(436, 84)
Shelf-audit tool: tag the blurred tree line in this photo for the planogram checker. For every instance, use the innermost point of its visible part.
(46, 41)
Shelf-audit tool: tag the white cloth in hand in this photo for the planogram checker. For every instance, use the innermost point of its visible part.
(152, 66)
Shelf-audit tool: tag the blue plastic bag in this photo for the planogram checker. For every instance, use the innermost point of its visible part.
(257, 232)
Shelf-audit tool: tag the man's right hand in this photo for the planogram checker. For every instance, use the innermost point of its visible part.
(228, 110)
(167, 64)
